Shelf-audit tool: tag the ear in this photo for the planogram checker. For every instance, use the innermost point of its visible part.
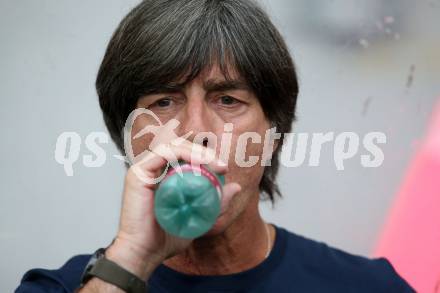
(275, 145)
(276, 141)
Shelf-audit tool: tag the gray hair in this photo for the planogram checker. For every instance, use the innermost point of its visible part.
(161, 41)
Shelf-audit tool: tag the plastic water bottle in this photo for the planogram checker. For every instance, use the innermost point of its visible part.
(187, 206)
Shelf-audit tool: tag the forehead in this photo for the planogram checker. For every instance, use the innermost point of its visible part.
(214, 72)
(212, 78)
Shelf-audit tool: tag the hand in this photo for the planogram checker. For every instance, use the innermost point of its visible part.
(141, 244)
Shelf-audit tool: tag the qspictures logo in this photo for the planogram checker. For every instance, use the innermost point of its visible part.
(296, 147)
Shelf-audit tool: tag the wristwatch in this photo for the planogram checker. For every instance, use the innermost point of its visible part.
(101, 267)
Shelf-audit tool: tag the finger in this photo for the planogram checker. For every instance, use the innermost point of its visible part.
(149, 167)
(198, 155)
(209, 156)
(229, 191)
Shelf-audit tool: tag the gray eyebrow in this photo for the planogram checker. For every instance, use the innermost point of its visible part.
(224, 85)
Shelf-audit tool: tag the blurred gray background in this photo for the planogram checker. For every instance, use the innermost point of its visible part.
(364, 66)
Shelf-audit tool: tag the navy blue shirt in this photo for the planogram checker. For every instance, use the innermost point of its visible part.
(295, 264)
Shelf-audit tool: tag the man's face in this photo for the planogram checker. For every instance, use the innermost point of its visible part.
(206, 104)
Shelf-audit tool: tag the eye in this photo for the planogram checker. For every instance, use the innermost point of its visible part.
(228, 100)
(162, 103)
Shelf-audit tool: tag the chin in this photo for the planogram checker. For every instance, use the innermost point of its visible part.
(219, 226)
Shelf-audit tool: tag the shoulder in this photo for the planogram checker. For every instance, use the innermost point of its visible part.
(332, 265)
(64, 279)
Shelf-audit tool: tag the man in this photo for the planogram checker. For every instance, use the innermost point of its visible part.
(207, 64)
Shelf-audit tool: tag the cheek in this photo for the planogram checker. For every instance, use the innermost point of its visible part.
(247, 177)
(140, 144)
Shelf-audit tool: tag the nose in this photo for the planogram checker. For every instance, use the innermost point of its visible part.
(205, 142)
(195, 117)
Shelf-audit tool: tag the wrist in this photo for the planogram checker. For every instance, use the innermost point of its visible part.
(133, 259)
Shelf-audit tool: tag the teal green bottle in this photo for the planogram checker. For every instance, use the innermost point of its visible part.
(188, 205)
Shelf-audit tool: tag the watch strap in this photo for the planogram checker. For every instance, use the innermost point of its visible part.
(112, 273)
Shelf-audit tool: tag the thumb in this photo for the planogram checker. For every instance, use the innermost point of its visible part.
(229, 191)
